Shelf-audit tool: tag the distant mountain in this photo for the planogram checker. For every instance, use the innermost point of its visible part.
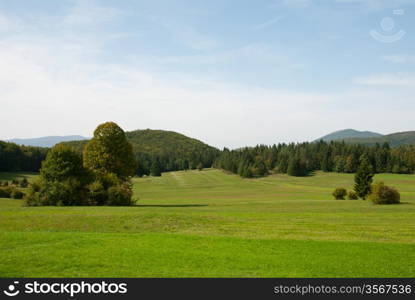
(349, 134)
(394, 139)
(47, 141)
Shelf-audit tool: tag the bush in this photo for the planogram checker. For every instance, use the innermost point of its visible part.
(352, 195)
(5, 192)
(120, 195)
(17, 194)
(32, 197)
(15, 182)
(383, 194)
(57, 193)
(339, 193)
(97, 193)
(11, 192)
(24, 183)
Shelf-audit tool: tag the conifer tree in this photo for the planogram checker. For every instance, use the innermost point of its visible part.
(155, 168)
(363, 178)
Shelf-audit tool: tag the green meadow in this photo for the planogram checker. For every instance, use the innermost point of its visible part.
(212, 224)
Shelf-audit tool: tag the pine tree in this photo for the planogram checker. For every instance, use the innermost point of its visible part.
(363, 178)
(296, 167)
(155, 168)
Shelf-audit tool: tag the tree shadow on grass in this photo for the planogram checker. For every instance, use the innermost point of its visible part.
(171, 205)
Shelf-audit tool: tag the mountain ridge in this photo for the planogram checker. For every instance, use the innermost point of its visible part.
(46, 141)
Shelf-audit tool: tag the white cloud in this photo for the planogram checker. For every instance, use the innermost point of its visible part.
(252, 53)
(388, 79)
(380, 4)
(400, 58)
(268, 23)
(87, 12)
(296, 3)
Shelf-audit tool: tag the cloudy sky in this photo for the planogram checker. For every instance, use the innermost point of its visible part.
(231, 73)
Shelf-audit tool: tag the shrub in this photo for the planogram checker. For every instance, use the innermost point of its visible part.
(339, 193)
(5, 192)
(17, 194)
(15, 182)
(120, 195)
(97, 193)
(352, 195)
(200, 166)
(383, 194)
(63, 193)
(24, 183)
(32, 197)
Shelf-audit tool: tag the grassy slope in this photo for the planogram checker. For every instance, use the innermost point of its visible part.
(193, 224)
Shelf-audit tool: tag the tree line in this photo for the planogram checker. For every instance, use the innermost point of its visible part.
(303, 158)
(294, 159)
(14, 158)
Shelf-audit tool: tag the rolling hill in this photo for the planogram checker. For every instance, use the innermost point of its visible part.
(157, 142)
(170, 150)
(46, 141)
(394, 139)
(348, 134)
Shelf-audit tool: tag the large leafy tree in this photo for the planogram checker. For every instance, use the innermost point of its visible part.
(63, 179)
(110, 152)
(363, 178)
(61, 163)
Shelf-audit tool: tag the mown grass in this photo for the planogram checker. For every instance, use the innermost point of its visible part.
(211, 224)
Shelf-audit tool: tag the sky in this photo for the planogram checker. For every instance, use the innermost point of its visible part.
(231, 73)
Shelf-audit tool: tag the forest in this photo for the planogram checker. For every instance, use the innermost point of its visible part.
(304, 158)
(20, 158)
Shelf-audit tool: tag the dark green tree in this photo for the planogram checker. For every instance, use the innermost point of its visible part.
(296, 167)
(363, 178)
(155, 168)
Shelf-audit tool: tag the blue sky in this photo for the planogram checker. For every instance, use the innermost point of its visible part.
(231, 73)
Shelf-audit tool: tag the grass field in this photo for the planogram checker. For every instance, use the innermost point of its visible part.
(211, 224)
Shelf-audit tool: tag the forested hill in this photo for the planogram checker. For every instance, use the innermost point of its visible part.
(348, 134)
(394, 139)
(159, 150)
(161, 142)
